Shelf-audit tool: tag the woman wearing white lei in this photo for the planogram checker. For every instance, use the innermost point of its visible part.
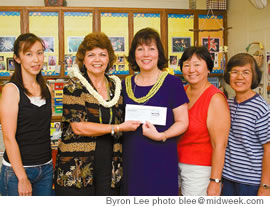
(90, 154)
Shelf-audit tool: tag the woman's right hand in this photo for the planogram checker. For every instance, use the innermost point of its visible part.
(24, 187)
(129, 125)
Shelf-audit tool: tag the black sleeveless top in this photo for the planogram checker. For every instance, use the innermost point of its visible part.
(33, 131)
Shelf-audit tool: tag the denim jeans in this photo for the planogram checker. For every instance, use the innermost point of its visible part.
(39, 176)
(231, 188)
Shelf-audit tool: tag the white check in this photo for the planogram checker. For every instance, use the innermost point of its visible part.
(155, 115)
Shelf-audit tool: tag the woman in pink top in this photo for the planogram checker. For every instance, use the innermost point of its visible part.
(201, 149)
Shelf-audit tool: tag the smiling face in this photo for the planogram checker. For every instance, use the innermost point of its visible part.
(31, 60)
(241, 79)
(96, 61)
(146, 56)
(195, 70)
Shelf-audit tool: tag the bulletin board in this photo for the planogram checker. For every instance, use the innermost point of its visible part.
(213, 40)
(45, 25)
(62, 26)
(115, 26)
(179, 38)
(10, 21)
(76, 26)
(143, 20)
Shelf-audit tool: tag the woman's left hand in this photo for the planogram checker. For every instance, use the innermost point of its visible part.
(150, 131)
(213, 189)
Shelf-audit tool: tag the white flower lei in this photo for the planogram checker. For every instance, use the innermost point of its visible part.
(75, 72)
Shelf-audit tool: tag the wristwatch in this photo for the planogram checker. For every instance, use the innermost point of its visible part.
(265, 186)
(215, 180)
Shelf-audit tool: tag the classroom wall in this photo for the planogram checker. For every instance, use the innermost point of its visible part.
(248, 25)
(174, 4)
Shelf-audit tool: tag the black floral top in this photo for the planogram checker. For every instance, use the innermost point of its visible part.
(74, 165)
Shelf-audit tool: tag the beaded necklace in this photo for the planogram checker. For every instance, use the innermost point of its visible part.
(111, 114)
(150, 94)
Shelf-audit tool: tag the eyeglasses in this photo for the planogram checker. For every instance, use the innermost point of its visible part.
(244, 74)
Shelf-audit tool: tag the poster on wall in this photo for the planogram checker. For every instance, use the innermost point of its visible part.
(120, 60)
(173, 62)
(2, 63)
(180, 43)
(10, 64)
(211, 43)
(74, 43)
(49, 44)
(119, 36)
(2, 66)
(214, 57)
(69, 61)
(118, 43)
(268, 63)
(6, 43)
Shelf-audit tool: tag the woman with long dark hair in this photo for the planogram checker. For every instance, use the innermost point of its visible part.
(25, 111)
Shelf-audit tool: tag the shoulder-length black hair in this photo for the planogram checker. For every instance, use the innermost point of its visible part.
(201, 52)
(146, 36)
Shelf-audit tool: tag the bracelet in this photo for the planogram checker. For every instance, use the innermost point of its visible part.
(265, 186)
(112, 132)
(117, 128)
(215, 180)
(165, 138)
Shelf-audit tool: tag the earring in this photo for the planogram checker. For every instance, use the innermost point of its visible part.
(84, 68)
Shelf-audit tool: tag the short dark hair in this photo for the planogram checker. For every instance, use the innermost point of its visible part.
(146, 36)
(201, 52)
(91, 41)
(240, 60)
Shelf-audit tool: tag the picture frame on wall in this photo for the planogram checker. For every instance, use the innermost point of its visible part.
(74, 43)
(52, 61)
(6, 43)
(118, 43)
(179, 44)
(213, 44)
(49, 44)
(2, 66)
(173, 62)
(45, 66)
(68, 60)
(10, 64)
(121, 67)
(120, 59)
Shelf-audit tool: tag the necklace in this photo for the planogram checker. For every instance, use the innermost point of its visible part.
(150, 94)
(75, 72)
(111, 114)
